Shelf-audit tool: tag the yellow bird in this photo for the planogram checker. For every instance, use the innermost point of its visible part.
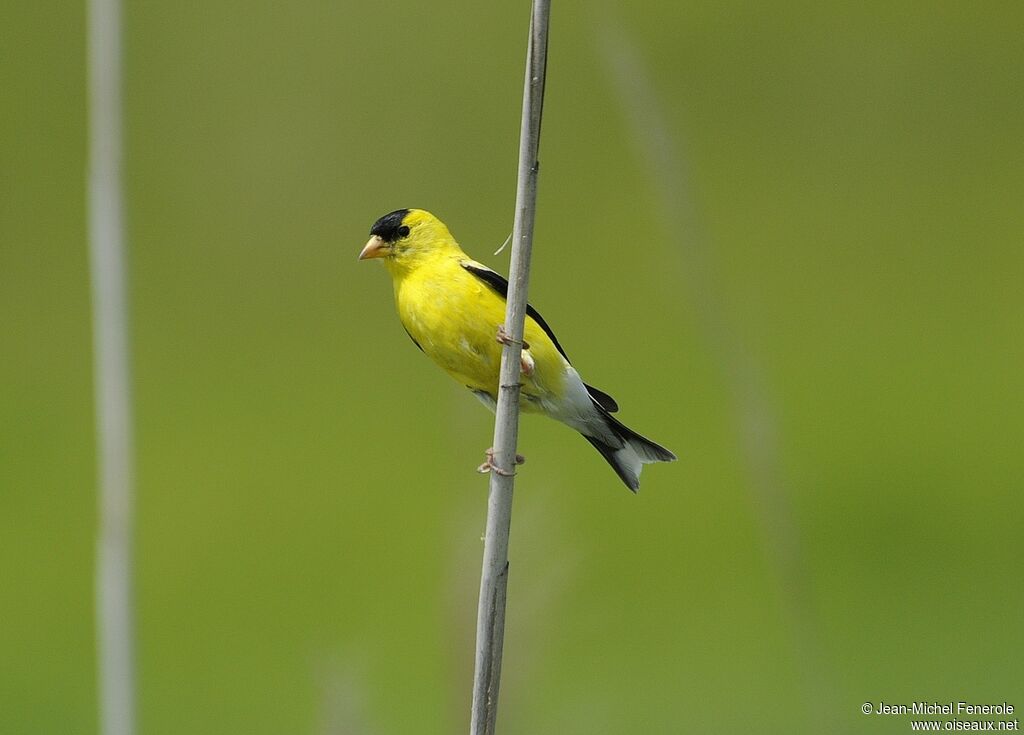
(454, 310)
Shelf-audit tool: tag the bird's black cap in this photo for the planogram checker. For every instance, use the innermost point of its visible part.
(387, 226)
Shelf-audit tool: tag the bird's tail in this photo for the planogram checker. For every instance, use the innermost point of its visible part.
(625, 450)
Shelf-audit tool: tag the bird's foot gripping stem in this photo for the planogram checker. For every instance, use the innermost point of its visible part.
(526, 362)
(504, 338)
(489, 466)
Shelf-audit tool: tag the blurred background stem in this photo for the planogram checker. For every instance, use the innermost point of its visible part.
(112, 376)
(664, 154)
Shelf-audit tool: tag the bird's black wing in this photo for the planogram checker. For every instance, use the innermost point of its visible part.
(602, 399)
(499, 284)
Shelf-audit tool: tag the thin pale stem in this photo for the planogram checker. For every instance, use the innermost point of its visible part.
(490, 629)
(115, 653)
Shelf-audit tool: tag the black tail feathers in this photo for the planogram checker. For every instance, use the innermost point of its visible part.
(631, 454)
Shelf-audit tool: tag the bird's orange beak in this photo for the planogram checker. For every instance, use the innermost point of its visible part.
(374, 248)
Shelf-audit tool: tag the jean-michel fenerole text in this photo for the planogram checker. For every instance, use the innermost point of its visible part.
(944, 708)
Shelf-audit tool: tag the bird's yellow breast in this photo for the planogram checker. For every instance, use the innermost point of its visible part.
(454, 317)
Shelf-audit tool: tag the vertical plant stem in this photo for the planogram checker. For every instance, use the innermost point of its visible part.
(490, 627)
(112, 376)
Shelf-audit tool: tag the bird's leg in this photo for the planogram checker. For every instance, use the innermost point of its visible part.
(526, 364)
(489, 465)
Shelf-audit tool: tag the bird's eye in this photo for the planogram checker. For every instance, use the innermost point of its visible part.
(403, 231)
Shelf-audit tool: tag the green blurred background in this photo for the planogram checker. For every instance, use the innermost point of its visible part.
(787, 237)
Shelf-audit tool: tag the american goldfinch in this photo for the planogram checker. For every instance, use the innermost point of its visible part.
(453, 308)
